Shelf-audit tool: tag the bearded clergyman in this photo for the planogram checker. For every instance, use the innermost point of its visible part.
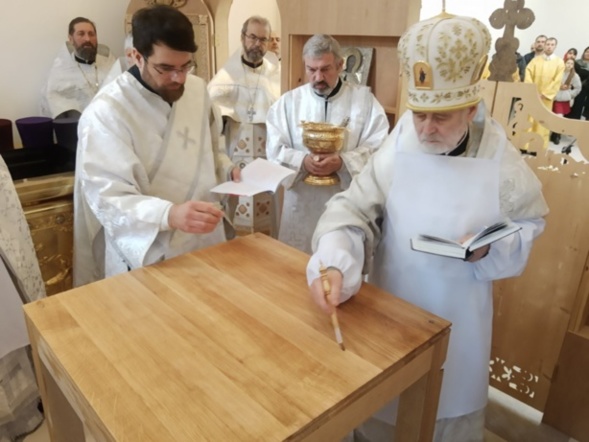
(244, 89)
(77, 72)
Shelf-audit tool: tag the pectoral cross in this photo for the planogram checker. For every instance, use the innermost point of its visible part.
(250, 113)
(186, 138)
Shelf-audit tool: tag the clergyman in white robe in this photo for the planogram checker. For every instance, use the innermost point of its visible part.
(244, 96)
(405, 191)
(366, 130)
(21, 283)
(137, 156)
(71, 85)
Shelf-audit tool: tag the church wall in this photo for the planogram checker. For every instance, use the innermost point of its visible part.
(563, 20)
(31, 33)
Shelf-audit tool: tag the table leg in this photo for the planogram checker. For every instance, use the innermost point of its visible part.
(418, 404)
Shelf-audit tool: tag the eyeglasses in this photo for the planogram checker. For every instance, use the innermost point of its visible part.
(169, 70)
(255, 39)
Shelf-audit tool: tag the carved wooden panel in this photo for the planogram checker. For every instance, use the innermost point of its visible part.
(534, 311)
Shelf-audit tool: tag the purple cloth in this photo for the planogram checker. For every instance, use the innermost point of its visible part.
(66, 131)
(35, 131)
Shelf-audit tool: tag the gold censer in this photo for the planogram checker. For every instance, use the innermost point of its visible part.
(322, 138)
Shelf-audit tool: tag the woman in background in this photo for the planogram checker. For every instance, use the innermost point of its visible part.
(569, 89)
(580, 107)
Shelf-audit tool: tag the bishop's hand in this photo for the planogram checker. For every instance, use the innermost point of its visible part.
(195, 216)
(330, 302)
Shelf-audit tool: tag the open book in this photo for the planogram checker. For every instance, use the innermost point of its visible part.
(454, 249)
(258, 176)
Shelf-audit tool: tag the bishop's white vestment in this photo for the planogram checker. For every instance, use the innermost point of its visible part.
(137, 155)
(244, 96)
(366, 130)
(19, 395)
(404, 192)
(72, 85)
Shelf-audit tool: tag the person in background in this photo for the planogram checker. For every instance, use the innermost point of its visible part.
(546, 73)
(569, 89)
(274, 45)
(20, 283)
(537, 49)
(77, 72)
(446, 170)
(571, 53)
(122, 63)
(580, 107)
(147, 157)
(244, 89)
(325, 98)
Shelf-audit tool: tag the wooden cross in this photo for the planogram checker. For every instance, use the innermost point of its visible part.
(511, 16)
(186, 138)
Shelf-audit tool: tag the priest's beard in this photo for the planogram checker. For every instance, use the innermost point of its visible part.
(254, 55)
(322, 88)
(87, 52)
(437, 144)
(170, 91)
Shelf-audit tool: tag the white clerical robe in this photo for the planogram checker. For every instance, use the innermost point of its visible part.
(399, 195)
(366, 130)
(19, 395)
(546, 73)
(244, 96)
(71, 85)
(137, 155)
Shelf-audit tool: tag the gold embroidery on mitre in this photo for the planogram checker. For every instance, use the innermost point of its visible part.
(422, 75)
(478, 72)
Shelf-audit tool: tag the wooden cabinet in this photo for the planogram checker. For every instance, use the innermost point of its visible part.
(49, 211)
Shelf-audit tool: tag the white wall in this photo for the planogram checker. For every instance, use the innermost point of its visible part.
(32, 30)
(565, 19)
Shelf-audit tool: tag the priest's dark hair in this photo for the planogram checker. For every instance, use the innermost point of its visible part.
(161, 24)
(75, 21)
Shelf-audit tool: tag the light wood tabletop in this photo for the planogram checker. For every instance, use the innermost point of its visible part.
(225, 344)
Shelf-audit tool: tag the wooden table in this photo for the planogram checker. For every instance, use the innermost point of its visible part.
(225, 344)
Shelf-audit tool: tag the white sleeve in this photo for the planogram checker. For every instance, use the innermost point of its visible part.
(344, 250)
(508, 257)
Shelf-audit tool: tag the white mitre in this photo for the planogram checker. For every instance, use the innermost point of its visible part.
(443, 59)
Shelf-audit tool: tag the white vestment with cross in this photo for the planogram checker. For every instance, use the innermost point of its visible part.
(137, 155)
(244, 96)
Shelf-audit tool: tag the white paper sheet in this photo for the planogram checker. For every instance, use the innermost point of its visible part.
(258, 176)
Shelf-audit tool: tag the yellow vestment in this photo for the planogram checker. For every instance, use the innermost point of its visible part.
(546, 73)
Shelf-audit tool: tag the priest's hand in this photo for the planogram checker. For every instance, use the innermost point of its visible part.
(236, 174)
(329, 303)
(323, 164)
(195, 216)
